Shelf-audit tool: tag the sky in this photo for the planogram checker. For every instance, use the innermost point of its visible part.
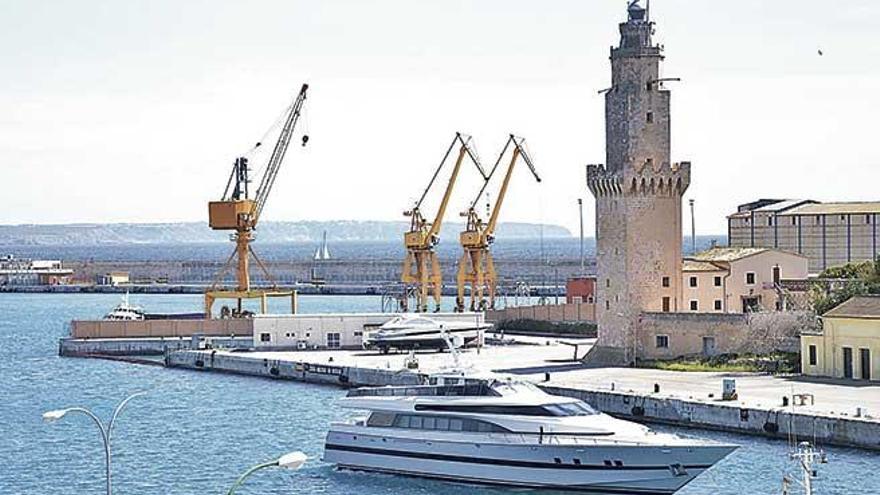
(134, 111)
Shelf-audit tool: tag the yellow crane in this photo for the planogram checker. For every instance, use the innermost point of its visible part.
(476, 266)
(421, 267)
(239, 212)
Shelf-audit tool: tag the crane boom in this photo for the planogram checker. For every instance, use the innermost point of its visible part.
(518, 151)
(465, 150)
(274, 164)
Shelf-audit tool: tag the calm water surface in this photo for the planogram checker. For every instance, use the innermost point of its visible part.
(195, 432)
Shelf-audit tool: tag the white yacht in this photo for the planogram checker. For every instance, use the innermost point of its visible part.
(419, 332)
(510, 433)
(125, 311)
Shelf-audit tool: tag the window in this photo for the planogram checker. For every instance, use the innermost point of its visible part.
(813, 357)
(695, 305)
(380, 419)
(717, 304)
(794, 220)
(607, 305)
(770, 221)
(717, 281)
(607, 282)
(693, 282)
(662, 341)
(665, 304)
(423, 422)
(818, 219)
(265, 337)
(650, 117)
(868, 219)
(648, 86)
(750, 278)
(333, 340)
(665, 281)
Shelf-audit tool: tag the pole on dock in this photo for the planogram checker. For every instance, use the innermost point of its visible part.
(581, 215)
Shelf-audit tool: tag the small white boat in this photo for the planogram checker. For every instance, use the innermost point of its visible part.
(125, 311)
(511, 434)
(419, 332)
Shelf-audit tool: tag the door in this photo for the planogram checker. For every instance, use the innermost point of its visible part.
(865, 363)
(708, 346)
(847, 362)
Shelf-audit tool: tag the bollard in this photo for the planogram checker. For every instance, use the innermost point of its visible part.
(546, 376)
(785, 401)
(612, 386)
(656, 388)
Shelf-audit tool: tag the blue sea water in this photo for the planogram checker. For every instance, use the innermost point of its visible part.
(193, 433)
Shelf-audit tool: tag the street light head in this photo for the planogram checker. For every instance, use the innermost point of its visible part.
(293, 460)
(50, 416)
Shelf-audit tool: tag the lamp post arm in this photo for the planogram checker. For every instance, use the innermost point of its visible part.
(249, 472)
(105, 436)
(118, 410)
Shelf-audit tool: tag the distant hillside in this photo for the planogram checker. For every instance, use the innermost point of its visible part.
(198, 232)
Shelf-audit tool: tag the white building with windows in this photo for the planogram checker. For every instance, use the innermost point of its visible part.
(330, 331)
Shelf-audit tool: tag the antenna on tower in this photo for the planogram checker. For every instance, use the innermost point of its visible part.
(648, 11)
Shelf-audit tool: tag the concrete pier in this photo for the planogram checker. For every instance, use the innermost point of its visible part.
(837, 413)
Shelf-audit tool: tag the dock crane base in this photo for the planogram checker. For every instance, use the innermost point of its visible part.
(239, 296)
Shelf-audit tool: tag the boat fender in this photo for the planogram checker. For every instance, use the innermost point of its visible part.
(274, 371)
(771, 427)
(343, 378)
(199, 363)
(638, 411)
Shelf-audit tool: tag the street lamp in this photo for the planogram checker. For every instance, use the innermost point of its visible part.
(52, 416)
(293, 460)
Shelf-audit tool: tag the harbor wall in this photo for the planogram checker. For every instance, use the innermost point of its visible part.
(327, 374)
(773, 422)
(70, 347)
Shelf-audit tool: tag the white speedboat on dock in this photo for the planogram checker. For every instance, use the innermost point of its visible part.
(510, 433)
(419, 332)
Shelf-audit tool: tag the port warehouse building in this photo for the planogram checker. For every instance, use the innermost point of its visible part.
(298, 331)
(829, 234)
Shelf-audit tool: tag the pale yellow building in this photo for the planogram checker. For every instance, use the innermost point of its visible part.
(738, 280)
(848, 342)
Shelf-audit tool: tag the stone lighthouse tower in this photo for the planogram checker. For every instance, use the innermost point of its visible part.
(638, 196)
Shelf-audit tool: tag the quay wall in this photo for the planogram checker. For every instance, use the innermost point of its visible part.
(70, 347)
(774, 423)
(327, 374)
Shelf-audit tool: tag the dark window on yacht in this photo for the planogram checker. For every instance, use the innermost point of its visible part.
(265, 337)
(618, 463)
(424, 422)
(563, 409)
(380, 419)
(576, 461)
(607, 462)
(557, 460)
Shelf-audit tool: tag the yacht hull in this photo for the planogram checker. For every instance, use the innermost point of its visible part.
(593, 468)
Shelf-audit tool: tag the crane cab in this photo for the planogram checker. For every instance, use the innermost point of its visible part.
(229, 215)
